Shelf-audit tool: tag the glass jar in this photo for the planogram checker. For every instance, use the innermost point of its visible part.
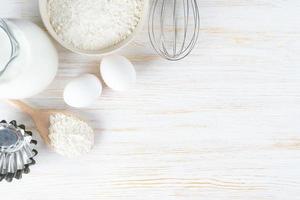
(28, 59)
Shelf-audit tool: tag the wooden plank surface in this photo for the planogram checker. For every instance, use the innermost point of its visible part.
(221, 124)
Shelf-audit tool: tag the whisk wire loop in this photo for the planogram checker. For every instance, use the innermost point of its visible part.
(174, 27)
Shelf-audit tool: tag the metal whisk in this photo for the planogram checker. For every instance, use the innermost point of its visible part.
(174, 27)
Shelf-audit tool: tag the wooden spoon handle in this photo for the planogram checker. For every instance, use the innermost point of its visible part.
(23, 106)
(40, 119)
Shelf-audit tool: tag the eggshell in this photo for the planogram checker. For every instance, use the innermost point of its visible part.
(82, 91)
(117, 72)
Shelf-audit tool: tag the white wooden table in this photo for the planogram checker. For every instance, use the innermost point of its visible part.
(222, 124)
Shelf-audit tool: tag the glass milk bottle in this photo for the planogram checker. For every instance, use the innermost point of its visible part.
(28, 59)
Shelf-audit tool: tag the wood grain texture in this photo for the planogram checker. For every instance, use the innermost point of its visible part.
(221, 124)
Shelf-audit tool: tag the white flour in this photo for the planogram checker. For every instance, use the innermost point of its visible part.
(70, 136)
(94, 24)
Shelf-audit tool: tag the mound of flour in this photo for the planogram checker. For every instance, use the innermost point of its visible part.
(94, 24)
(70, 136)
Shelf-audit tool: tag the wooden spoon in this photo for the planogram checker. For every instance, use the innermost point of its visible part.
(40, 117)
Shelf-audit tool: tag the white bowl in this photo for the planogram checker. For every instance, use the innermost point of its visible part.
(108, 50)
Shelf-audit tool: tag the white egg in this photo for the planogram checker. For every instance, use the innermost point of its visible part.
(117, 72)
(82, 91)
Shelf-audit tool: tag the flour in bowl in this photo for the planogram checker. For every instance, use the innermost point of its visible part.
(94, 24)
